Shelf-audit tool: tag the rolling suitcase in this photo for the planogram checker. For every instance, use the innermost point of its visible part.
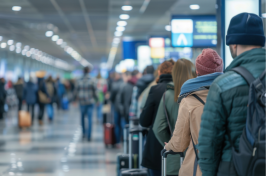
(123, 159)
(164, 154)
(135, 160)
(24, 119)
(109, 132)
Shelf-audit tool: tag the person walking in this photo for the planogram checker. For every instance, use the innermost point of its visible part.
(183, 70)
(30, 96)
(43, 98)
(152, 149)
(2, 97)
(52, 92)
(85, 91)
(19, 88)
(192, 98)
(225, 112)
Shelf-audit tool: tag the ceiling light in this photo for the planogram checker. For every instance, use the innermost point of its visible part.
(24, 52)
(28, 53)
(12, 48)
(121, 23)
(3, 45)
(116, 40)
(49, 33)
(1, 38)
(16, 8)
(32, 50)
(120, 28)
(263, 15)
(118, 33)
(27, 47)
(126, 8)
(194, 6)
(124, 16)
(10, 42)
(59, 41)
(18, 50)
(18, 45)
(168, 28)
(55, 38)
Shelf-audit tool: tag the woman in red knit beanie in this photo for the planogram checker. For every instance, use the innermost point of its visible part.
(192, 98)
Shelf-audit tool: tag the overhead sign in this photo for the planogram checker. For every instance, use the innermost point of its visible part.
(157, 47)
(194, 31)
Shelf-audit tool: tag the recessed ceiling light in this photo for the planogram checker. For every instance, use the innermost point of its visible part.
(12, 48)
(10, 42)
(49, 33)
(24, 52)
(3, 45)
(118, 33)
(28, 53)
(168, 28)
(126, 8)
(1, 38)
(18, 45)
(124, 16)
(18, 50)
(120, 28)
(27, 47)
(263, 15)
(16, 8)
(59, 41)
(194, 7)
(121, 23)
(55, 38)
(116, 40)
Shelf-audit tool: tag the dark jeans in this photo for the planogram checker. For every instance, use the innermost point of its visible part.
(86, 110)
(20, 100)
(31, 107)
(41, 110)
(155, 172)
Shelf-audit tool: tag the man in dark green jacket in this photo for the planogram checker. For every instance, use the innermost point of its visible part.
(225, 111)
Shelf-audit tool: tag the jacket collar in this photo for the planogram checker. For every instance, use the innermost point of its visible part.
(165, 78)
(251, 56)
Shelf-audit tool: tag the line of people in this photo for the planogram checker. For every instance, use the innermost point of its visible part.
(198, 109)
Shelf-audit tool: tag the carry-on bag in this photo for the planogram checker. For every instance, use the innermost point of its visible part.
(24, 119)
(164, 154)
(133, 122)
(135, 134)
(123, 158)
(109, 131)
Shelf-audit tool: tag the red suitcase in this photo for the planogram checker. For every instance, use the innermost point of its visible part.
(109, 134)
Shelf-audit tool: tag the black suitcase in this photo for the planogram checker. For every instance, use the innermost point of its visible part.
(135, 138)
(164, 154)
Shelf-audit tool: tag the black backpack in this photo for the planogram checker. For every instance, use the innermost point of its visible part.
(250, 159)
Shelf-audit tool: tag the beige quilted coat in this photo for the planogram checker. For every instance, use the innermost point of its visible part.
(188, 122)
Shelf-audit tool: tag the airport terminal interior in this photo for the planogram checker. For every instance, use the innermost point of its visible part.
(62, 111)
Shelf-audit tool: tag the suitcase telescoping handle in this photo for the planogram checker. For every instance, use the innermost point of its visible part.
(125, 138)
(139, 130)
(164, 154)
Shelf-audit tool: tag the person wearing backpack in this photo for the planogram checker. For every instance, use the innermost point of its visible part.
(168, 109)
(209, 66)
(225, 112)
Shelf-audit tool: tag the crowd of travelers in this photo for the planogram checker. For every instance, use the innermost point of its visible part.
(41, 92)
(199, 109)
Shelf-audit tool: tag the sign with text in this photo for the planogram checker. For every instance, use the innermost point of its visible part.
(194, 31)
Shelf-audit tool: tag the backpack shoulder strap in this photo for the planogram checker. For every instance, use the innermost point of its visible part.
(198, 98)
(245, 74)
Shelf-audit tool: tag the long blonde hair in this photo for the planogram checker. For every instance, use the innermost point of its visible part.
(182, 71)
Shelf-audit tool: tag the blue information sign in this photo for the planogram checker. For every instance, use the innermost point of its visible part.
(194, 31)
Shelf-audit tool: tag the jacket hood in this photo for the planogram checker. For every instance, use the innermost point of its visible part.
(133, 80)
(145, 80)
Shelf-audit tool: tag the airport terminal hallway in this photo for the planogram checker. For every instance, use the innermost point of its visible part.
(54, 149)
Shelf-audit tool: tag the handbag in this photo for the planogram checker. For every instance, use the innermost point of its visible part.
(43, 98)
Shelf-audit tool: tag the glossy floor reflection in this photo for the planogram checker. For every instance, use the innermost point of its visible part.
(54, 149)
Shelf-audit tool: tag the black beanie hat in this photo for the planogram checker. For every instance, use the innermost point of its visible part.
(245, 29)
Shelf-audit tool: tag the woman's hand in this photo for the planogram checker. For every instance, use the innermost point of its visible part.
(165, 143)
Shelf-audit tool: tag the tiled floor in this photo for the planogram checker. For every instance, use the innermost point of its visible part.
(54, 149)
